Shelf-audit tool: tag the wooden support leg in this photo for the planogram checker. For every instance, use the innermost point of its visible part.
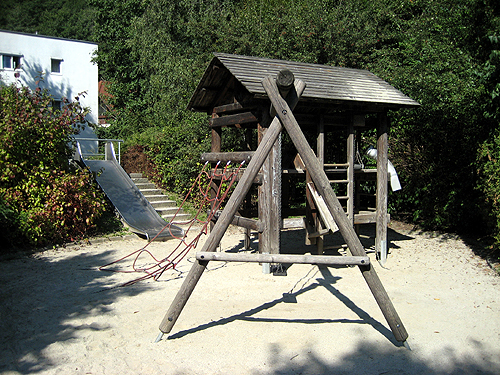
(227, 214)
(323, 186)
(382, 160)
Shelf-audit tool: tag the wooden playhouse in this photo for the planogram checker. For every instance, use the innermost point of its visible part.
(338, 106)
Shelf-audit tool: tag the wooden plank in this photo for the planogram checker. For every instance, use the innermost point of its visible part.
(293, 222)
(299, 164)
(227, 215)
(367, 218)
(320, 233)
(225, 157)
(229, 120)
(241, 221)
(233, 107)
(323, 209)
(324, 188)
(283, 258)
(320, 141)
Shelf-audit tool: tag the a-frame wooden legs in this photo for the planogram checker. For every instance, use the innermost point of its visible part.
(286, 119)
(323, 187)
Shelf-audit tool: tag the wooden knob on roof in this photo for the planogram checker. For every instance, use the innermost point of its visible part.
(285, 80)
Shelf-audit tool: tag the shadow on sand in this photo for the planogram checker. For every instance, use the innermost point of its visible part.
(37, 302)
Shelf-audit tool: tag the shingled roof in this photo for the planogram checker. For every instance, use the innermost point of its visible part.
(327, 84)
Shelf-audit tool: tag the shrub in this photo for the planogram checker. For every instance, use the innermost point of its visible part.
(489, 183)
(43, 198)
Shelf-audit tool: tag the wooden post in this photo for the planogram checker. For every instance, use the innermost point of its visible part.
(270, 199)
(350, 172)
(320, 153)
(323, 186)
(264, 194)
(227, 214)
(215, 147)
(248, 198)
(382, 160)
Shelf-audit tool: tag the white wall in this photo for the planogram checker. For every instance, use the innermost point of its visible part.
(78, 73)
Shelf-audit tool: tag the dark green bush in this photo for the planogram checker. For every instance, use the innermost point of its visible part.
(489, 183)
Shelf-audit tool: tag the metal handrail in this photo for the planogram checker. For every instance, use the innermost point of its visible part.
(119, 141)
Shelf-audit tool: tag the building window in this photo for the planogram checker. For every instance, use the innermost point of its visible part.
(55, 65)
(57, 104)
(11, 62)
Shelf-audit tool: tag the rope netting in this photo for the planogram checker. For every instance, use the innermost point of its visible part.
(154, 266)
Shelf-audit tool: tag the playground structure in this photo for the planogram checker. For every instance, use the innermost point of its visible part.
(135, 210)
(338, 106)
(218, 86)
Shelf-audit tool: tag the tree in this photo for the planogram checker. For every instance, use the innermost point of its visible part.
(435, 52)
(62, 18)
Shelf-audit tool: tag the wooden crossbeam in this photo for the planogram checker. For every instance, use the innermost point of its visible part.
(284, 258)
(238, 118)
(224, 157)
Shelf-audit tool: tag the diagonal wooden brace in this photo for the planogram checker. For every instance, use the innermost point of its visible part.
(284, 113)
(228, 213)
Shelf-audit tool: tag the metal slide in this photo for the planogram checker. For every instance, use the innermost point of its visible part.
(134, 208)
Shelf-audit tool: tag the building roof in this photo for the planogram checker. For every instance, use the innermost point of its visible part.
(327, 84)
(36, 35)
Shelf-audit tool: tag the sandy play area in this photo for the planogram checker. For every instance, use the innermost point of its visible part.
(60, 315)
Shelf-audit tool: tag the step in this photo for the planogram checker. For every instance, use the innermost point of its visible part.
(165, 207)
(164, 203)
(167, 211)
(156, 198)
(179, 218)
(149, 192)
(145, 185)
(140, 180)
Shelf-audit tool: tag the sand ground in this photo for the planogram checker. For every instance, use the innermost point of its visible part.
(60, 314)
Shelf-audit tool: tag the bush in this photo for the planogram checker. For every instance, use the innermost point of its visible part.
(43, 199)
(489, 183)
(174, 152)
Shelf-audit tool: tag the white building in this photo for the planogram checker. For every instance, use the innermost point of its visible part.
(63, 66)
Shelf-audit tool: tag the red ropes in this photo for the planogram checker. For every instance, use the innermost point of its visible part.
(203, 183)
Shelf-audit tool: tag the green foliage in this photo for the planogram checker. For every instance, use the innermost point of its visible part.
(489, 183)
(41, 196)
(33, 134)
(60, 18)
(439, 53)
(175, 151)
(55, 206)
(436, 61)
